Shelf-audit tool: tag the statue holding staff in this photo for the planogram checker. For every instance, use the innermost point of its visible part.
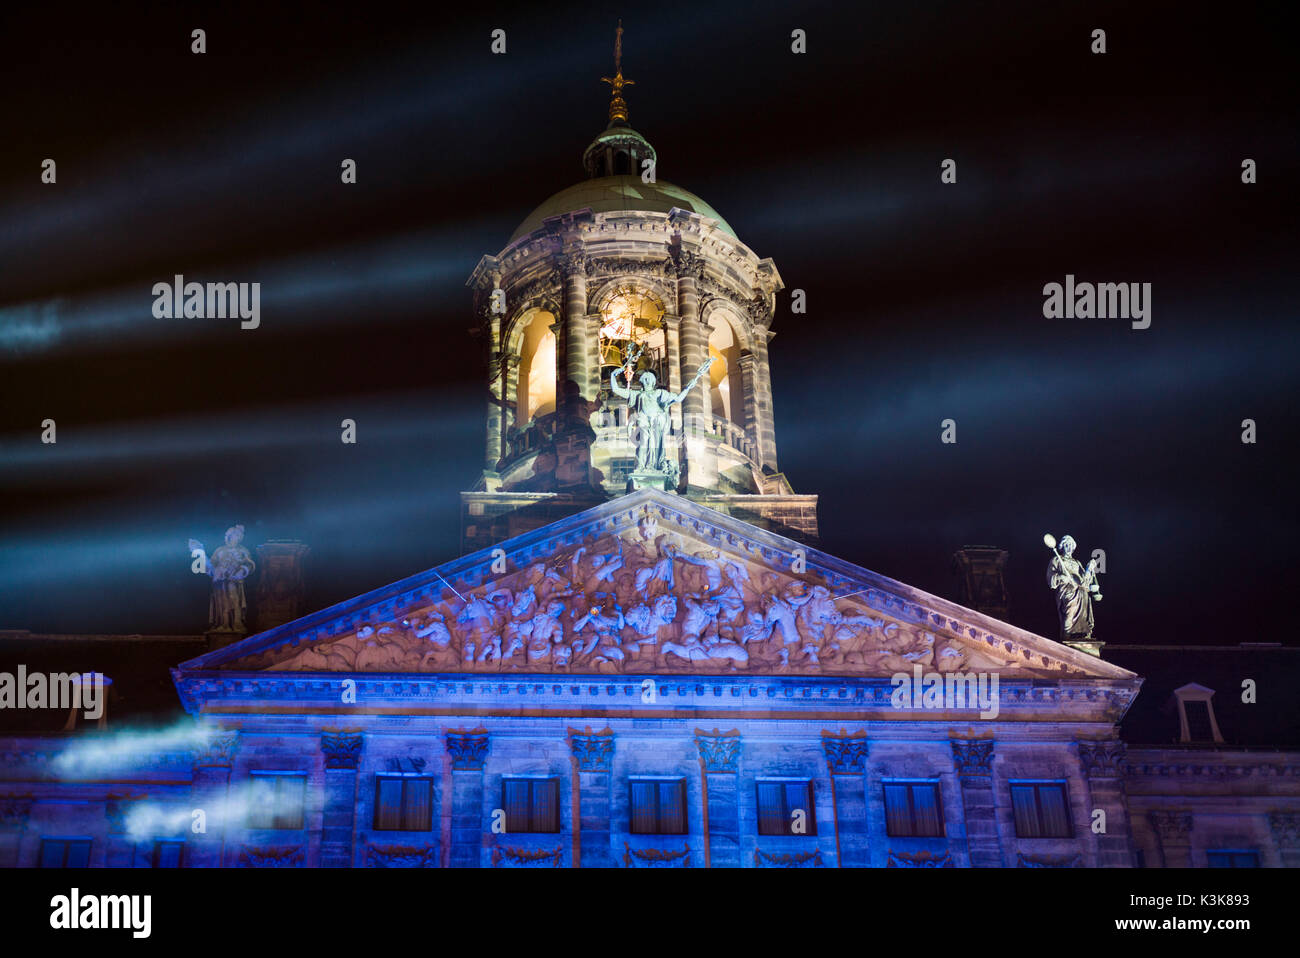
(1076, 587)
(651, 405)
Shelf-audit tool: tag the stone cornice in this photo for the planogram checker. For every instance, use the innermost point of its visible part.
(609, 233)
(838, 698)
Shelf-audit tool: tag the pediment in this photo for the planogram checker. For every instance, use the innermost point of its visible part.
(652, 583)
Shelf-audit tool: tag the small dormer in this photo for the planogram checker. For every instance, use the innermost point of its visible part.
(1196, 722)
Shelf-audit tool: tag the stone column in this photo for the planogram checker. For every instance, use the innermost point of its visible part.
(338, 823)
(974, 764)
(1174, 829)
(573, 372)
(764, 418)
(496, 401)
(673, 359)
(846, 760)
(701, 461)
(210, 793)
(1103, 769)
(468, 751)
(593, 760)
(720, 766)
(742, 391)
(508, 410)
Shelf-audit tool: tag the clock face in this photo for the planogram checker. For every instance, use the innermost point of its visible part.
(631, 314)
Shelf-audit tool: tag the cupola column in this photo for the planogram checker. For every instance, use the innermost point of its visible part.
(573, 379)
(761, 392)
(497, 395)
(701, 460)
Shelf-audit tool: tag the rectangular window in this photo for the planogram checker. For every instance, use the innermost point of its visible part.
(913, 809)
(1198, 721)
(65, 853)
(167, 854)
(403, 803)
(658, 807)
(1233, 858)
(277, 800)
(1042, 810)
(778, 803)
(531, 804)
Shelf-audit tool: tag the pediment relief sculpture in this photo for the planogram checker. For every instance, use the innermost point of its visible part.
(652, 598)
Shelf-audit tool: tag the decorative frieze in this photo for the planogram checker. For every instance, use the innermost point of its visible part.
(399, 856)
(1070, 861)
(812, 859)
(922, 859)
(656, 857)
(506, 857)
(290, 856)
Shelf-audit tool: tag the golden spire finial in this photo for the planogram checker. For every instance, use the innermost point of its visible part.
(617, 105)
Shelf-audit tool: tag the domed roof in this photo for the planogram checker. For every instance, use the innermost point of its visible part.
(611, 194)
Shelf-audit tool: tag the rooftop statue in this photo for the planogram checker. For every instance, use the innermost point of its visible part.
(228, 567)
(651, 406)
(1076, 587)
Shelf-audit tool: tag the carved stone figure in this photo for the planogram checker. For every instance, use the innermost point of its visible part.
(546, 632)
(603, 645)
(646, 621)
(1075, 586)
(431, 630)
(650, 405)
(228, 566)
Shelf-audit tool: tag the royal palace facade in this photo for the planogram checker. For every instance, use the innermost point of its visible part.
(641, 659)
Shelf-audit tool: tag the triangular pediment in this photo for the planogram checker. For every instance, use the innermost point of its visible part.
(652, 583)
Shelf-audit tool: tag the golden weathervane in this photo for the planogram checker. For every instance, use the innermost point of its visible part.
(617, 105)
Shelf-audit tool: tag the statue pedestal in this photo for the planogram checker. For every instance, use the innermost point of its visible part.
(1090, 646)
(650, 480)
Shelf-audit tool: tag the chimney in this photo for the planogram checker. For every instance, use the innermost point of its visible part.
(280, 588)
(981, 583)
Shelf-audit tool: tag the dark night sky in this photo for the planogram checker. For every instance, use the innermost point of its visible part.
(925, 300)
